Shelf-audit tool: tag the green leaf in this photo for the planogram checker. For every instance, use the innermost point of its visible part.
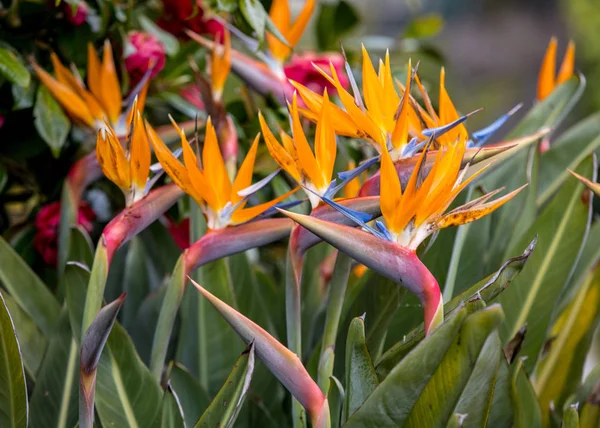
(562, 227)
(192, 397)
(361, 379)
(571, 418)
(255, 14)
(168, 40)
(568, 151)
(3, 177)
(13, 69)
(223, 410)
(126, 393)
(31, 340)
(170, 412)
(477, 396)
(54, 399)
(525, 404)
(424, 388)
(136, 281)
(13, 394)
(50, 121)
(560, 369)
(501, 411)
(27, 289)
(77, 278)
(336, 397)
(488, 289)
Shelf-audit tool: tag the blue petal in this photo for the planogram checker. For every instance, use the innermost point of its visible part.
(439, 131)
(347, 176)
(284, 205)
(413, 147)
(258, 185)
(480, 137)
(383, 230)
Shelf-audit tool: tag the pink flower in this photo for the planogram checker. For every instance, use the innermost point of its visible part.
(77, 13)
(149, 53)
(179, 15)
(300, 68)
(47, 223)
(191, 93)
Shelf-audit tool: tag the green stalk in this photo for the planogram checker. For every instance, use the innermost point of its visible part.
(197, 229)
(95, 291)
(166, 318)
(293, 321)
(337, 292)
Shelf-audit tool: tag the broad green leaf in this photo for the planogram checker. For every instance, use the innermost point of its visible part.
(336, 397)
(31, 340)
(170, 412)
(255, 15)
(223, 410)
(77, 278)
(477, 396)
(50, 121)
(126, 393)
(168, 40)
(562, 227)
(424, 388)
(80, 247)
(559, 371)
(567, 152)
(13, 69)
(192, 397)
(501, 411)
(54, 399)
(571, 418)
(361, 379)
(161, 249)
(457, 420)
(27, 289)
(136, 281)
(13, 394)
(488, 289)
(525, 404)
(334, 20)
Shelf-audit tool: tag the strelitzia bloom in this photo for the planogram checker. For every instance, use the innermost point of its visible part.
(220, 64)
(128, 167)
(385, 114)
(410, 217)
(548, 80)
(314, 171)
(205, 179)
(101, 101)
(292, 32)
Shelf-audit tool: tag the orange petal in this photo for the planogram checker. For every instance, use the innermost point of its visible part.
(458, 216)
(546, 81)
(243, 178)
(390, 192)
(67, 98)
(305, 154)
(280, 15)
(139, 156)
(112, 159)
(279, 154)
(214, 167)
(568, 65)
(400, 132)
(390, 96)
(170, 164)
(242, 215)
(220, 65)
(111, 91)
(448, 114)
(325, 141)
(94, 79)
(372, 90)
(295, 32)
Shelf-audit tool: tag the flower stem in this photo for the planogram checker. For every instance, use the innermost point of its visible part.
(197, 230)
(337, 292)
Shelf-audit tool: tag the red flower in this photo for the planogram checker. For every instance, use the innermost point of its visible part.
(47, 222)
(180, 232)
(149, 52)
(76, 14)
(300, 68)
(179, 15)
